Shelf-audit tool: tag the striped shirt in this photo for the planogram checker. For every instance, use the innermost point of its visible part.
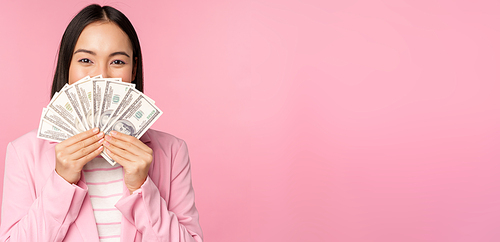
(105, 187)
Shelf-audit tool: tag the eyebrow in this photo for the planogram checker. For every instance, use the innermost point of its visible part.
(119, 53)
(93, 53)
(84, 51)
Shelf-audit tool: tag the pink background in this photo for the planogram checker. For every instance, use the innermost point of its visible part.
(305, 120)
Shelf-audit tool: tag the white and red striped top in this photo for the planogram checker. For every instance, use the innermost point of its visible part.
(105, 187)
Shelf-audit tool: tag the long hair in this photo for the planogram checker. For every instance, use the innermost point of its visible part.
(90, 14)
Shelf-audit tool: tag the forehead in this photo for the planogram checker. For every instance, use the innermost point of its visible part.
(103, 37)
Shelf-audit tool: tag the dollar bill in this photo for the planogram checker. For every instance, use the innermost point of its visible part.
(85, 92)
(52, 117)
(113, 95)
(63, 106)
(128, 98)
(72, 95)
(98, 86)
(51, 132)
(135, 120)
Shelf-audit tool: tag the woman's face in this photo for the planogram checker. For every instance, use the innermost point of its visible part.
(102, 48)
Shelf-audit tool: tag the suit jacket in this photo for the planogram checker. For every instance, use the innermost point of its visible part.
(39, 205)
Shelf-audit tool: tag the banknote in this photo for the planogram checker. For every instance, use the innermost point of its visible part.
(52, 117)
(98, 86)
(72, 95)
(84, 93)
(51, 132)
(63, 106)
(128, 98)
(137, 118)
(134, 120)
(114, 92)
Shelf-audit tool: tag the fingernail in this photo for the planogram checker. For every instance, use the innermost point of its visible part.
(95, 130)
(100, 141)
(112, 133)
(108, 137)
(100, 135)
(106, 143)
(100, 148)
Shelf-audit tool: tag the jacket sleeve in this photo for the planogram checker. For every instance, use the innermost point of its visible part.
(27, 216)
(156, 220)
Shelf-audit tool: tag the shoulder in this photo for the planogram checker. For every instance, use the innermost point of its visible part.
(164, 141)
(28, 150)
(30, 142)
(162, 137)
(169, 151)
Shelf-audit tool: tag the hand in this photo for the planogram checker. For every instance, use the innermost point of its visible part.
(73, 153)
(133, 155)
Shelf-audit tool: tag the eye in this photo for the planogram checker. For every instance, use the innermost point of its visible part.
(118, 62)
(85, 60)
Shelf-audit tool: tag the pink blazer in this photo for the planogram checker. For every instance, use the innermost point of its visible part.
(39, 205)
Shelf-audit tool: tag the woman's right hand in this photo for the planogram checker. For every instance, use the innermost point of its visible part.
(73, 153)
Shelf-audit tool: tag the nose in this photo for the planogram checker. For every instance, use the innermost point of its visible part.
(101, 69)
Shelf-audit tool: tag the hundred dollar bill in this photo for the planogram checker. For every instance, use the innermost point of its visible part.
(98, 86)
(135, 120)
(63, 106)
(51, 132)
(128, 98)
(113, 95)
(52, 117)
(72, 95)
(84, 92)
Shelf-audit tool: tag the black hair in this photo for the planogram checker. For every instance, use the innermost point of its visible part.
(90, 14)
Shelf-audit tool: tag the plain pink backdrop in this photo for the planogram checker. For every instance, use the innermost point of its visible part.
(305, 120)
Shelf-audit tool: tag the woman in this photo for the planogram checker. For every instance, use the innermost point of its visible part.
(46, 197)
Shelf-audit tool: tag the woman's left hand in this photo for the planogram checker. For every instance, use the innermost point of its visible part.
(132, 154)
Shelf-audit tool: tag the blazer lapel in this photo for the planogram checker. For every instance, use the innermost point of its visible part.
(86, 221)
(128, 229)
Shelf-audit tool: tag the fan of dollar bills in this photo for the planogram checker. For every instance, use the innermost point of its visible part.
(106, 103)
